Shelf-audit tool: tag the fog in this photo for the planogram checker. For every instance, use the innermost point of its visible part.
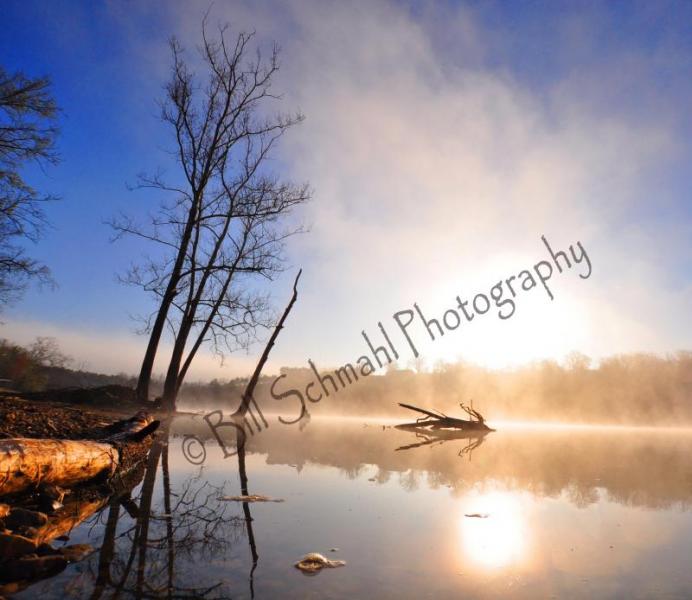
(637, 389)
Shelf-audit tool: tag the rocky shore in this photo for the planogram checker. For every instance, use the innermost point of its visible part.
(36, 520)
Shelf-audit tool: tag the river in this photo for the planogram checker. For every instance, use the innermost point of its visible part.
(524, 512)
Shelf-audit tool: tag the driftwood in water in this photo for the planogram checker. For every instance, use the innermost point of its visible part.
(434, 420)
(25, 463)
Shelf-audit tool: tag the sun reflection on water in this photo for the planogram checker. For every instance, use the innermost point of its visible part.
(499, 536)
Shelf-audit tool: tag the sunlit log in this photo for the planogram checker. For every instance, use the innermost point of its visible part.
(25, 463)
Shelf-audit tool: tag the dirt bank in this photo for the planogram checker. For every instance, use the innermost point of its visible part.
(72, 414)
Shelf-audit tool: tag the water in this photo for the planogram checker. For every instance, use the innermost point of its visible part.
(571, 513)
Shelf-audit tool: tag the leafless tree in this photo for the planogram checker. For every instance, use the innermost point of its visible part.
(225, 222)
(27, 134)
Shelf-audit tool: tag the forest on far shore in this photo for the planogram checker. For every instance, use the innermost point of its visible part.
(638, 388)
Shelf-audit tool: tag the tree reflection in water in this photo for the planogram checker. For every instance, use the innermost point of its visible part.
(155, 557)
(175, 539)
(246, 510)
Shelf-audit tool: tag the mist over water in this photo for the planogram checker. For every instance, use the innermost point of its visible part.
(633, 389)
(523, 512)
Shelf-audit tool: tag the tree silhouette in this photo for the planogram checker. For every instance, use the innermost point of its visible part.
(27, 135)
(224, 225)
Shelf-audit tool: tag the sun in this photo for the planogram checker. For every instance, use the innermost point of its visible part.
(539, 329)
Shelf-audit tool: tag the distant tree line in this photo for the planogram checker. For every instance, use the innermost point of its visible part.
(627, 389)
(635, 388)
(42, 366)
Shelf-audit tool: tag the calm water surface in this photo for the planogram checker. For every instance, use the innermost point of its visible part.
(565, 513)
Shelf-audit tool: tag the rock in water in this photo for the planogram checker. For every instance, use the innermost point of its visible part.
(21, 517)
(45, 549)
(33, 567)
(12, 546)
(49, 505)
(76, 552)
(28, 532)
(314, 562)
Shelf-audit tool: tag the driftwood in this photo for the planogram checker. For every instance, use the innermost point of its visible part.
(26, 463)
(436, 420)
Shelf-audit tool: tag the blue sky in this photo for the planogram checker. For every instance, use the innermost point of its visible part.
(519, 118)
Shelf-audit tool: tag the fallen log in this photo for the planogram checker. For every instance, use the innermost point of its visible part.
(26, 463)
(434, 420)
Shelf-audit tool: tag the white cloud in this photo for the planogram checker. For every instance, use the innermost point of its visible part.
(435, 175)
(433, 178)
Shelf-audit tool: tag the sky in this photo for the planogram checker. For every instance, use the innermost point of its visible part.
(441, 141)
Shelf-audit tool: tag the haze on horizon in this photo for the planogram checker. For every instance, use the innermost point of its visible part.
(440, 142)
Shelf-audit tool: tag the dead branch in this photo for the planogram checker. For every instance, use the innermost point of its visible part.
(437, 420)
(250, 389)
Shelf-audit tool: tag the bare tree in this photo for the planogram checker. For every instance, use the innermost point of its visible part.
(27, 134)
(45, 351)
(224, 224)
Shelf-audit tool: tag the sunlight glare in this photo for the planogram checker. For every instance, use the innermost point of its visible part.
(498, 541)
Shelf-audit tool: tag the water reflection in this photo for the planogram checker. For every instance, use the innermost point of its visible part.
(567, 513)
(634, 467)
(493, 531)
(161, 541)
(244, 490)
(472, 440)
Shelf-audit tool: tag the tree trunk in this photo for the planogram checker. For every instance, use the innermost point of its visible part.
(250, 389)
(153, 345)
(25, 463)
(170, 386)
(149, 356)
(437, 420)
(166, 301)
